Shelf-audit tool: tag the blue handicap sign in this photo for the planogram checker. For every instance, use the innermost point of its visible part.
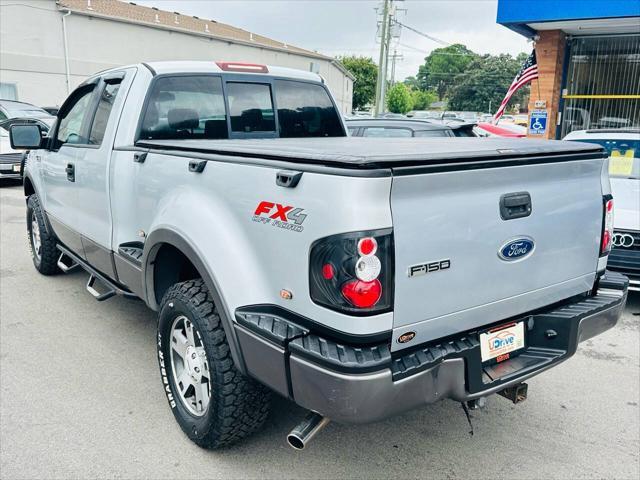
(538, 122)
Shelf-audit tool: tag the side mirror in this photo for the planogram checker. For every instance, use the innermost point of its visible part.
(25, 137)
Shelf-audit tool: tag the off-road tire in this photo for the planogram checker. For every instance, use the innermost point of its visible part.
(47, 263)
(238, 405)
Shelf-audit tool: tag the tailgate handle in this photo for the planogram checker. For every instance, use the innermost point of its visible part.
(515, 205)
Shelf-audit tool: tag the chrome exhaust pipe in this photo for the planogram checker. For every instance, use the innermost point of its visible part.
(308, 428)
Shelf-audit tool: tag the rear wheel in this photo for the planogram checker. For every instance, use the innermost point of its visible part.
(42, 243)
(212, 401)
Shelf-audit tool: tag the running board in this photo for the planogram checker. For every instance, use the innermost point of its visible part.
(111, 289)
(66, 263)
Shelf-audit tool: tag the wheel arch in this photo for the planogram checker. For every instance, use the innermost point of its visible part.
(160, 245)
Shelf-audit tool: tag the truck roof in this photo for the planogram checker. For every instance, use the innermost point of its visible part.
(185, 66)
(371, 153)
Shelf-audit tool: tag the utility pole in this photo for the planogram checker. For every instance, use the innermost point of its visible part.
(394, 57)
(385, 37)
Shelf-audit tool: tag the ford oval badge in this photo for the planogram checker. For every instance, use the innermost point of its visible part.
(516, 249)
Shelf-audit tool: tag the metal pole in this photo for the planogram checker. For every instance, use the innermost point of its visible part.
(66, 51)
(382, 63)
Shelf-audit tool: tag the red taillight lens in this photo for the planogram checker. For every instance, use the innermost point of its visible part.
(362, 294)
(353, 272)
(607, 226)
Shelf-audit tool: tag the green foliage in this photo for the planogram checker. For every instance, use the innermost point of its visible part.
(399, 99)
(422, 99)
(442, 66)
(364, 86)
(485, 81)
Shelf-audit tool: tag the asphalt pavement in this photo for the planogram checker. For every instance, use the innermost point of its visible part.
(80, 397)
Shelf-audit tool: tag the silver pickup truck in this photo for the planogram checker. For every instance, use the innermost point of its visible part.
(360, 278)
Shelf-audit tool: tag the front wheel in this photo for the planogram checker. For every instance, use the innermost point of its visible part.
(212, 401)
(42, 243)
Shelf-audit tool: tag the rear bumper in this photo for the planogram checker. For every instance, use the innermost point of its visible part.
(361, 384)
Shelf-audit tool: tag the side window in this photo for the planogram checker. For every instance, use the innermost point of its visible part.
(250, 107)
(305, 110)
(387, 132)
(99, 125)
(2, 115)
(73, 118)
(185, 107)
(430, 133)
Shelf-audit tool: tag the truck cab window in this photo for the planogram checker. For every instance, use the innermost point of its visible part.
(383, 132)
(306, 110)
(185, 107)
(250, 107)
(72, 119)
(101, 117)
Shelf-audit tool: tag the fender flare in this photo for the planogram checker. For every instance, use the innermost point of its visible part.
(152, 245)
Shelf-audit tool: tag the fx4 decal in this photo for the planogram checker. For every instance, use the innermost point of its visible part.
(281, 216)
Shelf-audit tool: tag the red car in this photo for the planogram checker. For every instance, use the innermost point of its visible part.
(502, 130)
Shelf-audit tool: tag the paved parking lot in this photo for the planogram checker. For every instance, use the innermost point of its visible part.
(81, 397)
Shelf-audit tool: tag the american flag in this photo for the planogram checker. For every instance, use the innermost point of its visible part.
(528, 72)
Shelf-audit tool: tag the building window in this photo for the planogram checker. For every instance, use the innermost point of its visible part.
(602, 85)
(8, 91)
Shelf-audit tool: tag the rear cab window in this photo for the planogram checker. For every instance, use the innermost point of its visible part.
(306, 110)
(206, 106)
(387, 132)
(624, 156)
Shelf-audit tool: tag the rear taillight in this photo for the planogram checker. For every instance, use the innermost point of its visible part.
(607, 226)
(353, 272)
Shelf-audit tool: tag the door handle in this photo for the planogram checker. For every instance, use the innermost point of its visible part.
(71, 172)
(515, 205)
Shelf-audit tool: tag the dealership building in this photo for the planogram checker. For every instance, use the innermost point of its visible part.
(588, 55)
(49, 47)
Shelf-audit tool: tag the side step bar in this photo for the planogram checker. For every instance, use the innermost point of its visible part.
(69, 261)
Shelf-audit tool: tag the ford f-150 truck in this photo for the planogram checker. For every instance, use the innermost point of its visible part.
(360, 278)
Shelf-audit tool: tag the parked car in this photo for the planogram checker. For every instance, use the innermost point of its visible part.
(13, 109)
(396, 128)
(423, 114)
(11, 159)
(485, 129)
(623, 147)
(51, 110)
(359, 278)
(458, 126)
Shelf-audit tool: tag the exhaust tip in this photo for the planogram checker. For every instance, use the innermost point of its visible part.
(308, 428)
(295, 442)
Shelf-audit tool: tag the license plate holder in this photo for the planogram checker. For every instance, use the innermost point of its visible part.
(501, 343)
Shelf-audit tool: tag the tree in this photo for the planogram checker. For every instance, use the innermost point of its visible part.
(364, 86)
(442, 66)
(486, 82)
(399, 99)
(422, 99)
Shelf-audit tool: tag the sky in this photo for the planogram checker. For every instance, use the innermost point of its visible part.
(343, 27)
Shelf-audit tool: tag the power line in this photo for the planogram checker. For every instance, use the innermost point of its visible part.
(437, 40)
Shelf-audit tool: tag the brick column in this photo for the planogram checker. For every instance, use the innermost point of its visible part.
(550, 55)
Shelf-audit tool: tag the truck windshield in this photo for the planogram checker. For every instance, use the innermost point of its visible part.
(624, 157)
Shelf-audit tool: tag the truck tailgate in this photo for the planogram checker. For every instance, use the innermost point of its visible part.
(455, 216)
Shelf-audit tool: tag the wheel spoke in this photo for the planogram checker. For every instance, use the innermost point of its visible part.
(188, 328)
(179, 343)
(186, 381)
(201, 395)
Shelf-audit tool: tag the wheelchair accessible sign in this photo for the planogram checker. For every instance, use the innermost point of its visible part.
(538, 122)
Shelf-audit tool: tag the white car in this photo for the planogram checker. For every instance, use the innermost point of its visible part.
(624, 172)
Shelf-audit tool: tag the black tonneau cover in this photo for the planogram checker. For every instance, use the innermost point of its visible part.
(372, 153)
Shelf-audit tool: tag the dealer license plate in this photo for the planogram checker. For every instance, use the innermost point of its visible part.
(501, 342)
